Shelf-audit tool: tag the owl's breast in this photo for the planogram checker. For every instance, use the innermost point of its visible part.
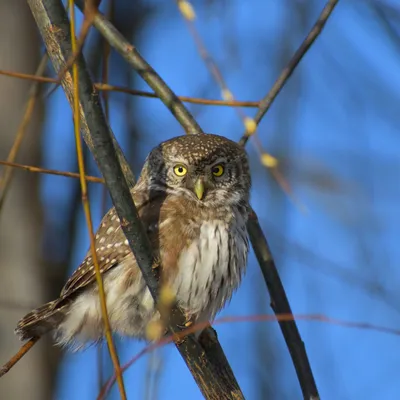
(210, 268)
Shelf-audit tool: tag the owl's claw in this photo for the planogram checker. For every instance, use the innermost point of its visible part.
(178, 340)
(187, 324)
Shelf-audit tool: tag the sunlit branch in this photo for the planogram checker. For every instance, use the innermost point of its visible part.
(267, 101)
(142, 93)
(86, 207)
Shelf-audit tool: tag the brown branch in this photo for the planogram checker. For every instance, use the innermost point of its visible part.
(267, 101)
(215, 380)
(185, 99)
(279, 301)
(21, 352)
(267, 160)
(107, 87)
(208, 60)
(252, 318)
(86, 205)
(53, 37)
(31, 168)
(280, 305)
(6, 177)
(57, 55)
(260, 245)
(89, 13)
(133, 57)
(29, 77)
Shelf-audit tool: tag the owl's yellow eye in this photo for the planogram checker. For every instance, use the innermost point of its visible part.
(217, 170)
(180, 170)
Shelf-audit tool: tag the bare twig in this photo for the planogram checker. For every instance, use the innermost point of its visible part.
(133, 57)
(267, 101)
(188, 14)
(29, 77)
(185, 99)
(107, 87)
(279, 301)
(253, 318)
(270, 162)
(88, 216)
(89, 12)
(31, 168)
(103, 209)
(6, 177)
(21, 352)
(59, 53)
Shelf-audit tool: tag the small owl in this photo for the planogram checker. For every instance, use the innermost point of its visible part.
(193, 199)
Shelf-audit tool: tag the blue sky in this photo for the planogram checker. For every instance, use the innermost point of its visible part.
(334, 126)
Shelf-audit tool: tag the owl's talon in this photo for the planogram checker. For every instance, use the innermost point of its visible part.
(178, 340)
(188, 321)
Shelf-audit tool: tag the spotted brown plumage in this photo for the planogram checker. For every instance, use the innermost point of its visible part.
(192, 197)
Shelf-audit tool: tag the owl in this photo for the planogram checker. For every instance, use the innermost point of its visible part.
(193, 200)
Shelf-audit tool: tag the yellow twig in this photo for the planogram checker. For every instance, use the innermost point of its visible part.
(86, 206)
(103, 208)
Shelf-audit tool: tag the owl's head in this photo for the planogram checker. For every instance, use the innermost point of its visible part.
(208, 168)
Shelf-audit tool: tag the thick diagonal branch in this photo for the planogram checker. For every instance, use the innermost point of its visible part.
(212, 374)
(279, 301)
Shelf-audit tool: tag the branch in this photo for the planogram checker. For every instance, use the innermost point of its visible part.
(140, 65)
(57, 49)
(279, 300)
(6, 177)
(86, 206)
(281, 306)
(31, 168)
(134, 92)
(267, 101)
(212, 374)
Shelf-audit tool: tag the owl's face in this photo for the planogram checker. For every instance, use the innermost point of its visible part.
(207, 169)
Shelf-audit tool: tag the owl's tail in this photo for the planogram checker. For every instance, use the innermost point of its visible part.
(40, 321)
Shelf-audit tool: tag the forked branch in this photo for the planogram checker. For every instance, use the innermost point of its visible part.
(208, 366)
(260, 245)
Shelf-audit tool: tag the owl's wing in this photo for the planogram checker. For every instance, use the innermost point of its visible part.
(111, 244)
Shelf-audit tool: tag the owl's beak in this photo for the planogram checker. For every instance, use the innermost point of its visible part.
(199, 188)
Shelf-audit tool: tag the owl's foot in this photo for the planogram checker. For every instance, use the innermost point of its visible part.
(189, 320)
